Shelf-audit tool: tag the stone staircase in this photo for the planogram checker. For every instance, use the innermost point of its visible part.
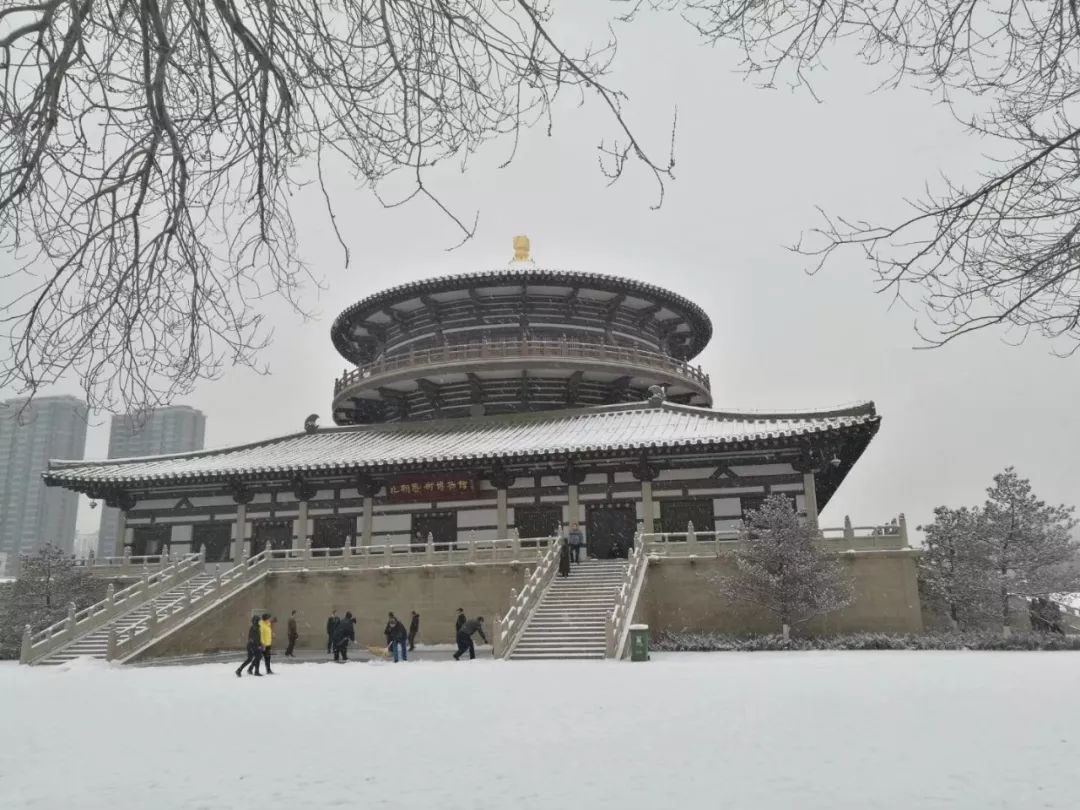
(95, 644)
(570, 620)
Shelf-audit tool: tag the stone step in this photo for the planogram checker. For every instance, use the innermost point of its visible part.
(557, 656)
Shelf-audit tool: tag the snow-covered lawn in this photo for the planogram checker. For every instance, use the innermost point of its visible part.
(790, 731)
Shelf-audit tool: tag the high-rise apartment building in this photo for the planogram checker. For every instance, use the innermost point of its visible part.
(176, 429)
(31, 433)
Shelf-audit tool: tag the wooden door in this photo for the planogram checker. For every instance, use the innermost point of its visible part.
(609, 529)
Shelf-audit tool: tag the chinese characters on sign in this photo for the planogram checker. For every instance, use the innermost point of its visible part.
(448, 487)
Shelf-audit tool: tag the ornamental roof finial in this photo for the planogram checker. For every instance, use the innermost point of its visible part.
(521, 249)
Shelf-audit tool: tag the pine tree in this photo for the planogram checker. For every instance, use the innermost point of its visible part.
(954, 568)
(783, 568)
(1028, 544)
(48, 582)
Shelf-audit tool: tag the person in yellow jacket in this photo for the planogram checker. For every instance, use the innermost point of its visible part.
(266, 639)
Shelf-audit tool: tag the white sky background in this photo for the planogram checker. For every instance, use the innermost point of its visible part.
(751, 167)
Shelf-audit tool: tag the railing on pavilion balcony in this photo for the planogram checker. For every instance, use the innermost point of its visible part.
(519, 348)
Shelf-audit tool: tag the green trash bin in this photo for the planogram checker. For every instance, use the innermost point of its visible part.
(639, 642)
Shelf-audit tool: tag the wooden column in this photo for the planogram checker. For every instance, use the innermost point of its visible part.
(239, 532)
(810, 496)
(500, 514)
(121, 534)
(300, 527)
(241, 496)
(646, 473)
(647, 508)
(502, 480)
(369, 520)
(303, 492)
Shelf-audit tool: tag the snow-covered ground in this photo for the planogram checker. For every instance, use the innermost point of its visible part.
(863, 730)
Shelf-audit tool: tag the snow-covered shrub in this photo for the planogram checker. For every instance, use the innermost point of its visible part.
(718, 642)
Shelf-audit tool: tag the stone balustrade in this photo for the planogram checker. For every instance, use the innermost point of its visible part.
(80, 622)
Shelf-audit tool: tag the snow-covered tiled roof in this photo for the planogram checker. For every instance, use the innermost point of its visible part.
(635, 427)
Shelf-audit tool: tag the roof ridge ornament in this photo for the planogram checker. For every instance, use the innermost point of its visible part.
(521, 250)
(657, 395)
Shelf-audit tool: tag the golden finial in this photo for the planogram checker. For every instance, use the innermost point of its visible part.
(521, 249)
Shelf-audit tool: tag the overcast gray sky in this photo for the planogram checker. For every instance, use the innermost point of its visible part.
(752, 166)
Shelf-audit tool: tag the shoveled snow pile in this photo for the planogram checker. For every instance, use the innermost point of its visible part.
(756, 731)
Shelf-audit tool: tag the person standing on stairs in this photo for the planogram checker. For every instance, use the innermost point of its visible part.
(254, 650)
(464, 638)
(414, 628)
(331, 630)
(266, 636)
(564, 557)
(576, 539)
(293, 636)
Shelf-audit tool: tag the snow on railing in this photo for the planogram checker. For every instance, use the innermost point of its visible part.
(79, 622)
(622, 614)
(693, 543)
(509, 627)
(142, 561)
(164, 616)
(392, 555)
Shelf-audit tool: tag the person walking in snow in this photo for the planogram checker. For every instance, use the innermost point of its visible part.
(266, 637)
(331, 627)
(464, 638)
(564, 557)
(459, 620)
(396, 636)
(344, 632)
(576, 541)
(293, 636)
(414, 628)
(254, 650)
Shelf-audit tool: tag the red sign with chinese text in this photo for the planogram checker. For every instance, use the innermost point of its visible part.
(411, 488)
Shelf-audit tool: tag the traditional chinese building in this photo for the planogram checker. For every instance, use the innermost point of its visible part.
(488, 404)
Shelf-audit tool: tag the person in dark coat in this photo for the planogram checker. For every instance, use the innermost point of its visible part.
(396, 637)
(564, 558)
(460, 620)
(414, 628)
(344, 632)
(293, 636)
(254, 650)
(464, 638)
(331, 627)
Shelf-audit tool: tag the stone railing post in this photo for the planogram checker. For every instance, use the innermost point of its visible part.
(111, 652)
(152, 618)
(308, 552)
(902, 520)
(27, 644)
(145, 582)
(202, 554)
(690, 536)
(127, 557)
(849, 533)
(110, 596)
(429, 548)
(515, 545)
(217, 580)
(71, 617)
(187, 593)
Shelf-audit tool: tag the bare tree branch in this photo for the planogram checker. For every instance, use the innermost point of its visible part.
(149, 150)
(1003, 253)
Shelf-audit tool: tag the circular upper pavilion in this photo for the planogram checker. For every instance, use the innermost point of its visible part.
(512, 340)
